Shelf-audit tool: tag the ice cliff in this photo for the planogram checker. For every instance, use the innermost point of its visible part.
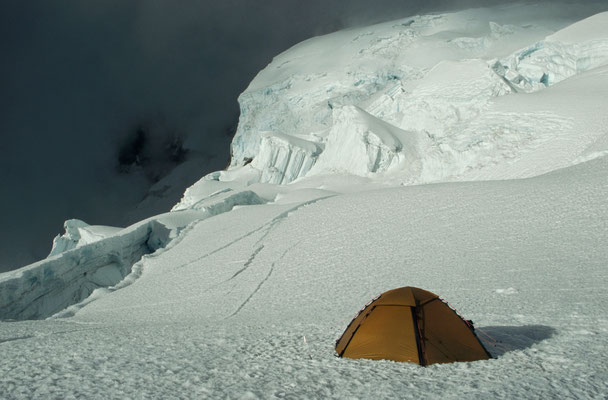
(80, 266)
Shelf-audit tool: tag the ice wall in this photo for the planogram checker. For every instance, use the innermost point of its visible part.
(44, 288)
(282, 158)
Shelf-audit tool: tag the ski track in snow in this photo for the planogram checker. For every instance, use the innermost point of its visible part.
(272, 266)
(247, 263)
(268, 226)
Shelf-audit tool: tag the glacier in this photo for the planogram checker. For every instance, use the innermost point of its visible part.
(391, 73)
(461, 152)
(79, 265)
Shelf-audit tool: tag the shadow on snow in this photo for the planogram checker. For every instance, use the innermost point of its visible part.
(499, 340)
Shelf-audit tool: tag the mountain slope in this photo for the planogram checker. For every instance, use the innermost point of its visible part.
(432, 154)
(465, 87)
(224, 312)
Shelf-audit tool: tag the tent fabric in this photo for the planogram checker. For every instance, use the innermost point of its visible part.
(413, 325)
(387, 330)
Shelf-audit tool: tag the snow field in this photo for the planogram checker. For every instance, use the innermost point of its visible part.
(224, 311)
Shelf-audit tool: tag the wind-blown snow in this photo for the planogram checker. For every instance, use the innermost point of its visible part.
(241, 290)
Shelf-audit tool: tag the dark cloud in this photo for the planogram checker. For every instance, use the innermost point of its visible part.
(78, 78)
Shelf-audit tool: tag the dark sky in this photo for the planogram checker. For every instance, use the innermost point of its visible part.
(78, 78)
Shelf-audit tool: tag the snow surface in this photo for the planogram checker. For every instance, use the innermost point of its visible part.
(224, 311)
(404, 154)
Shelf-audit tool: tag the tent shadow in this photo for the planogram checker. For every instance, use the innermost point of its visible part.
(499, 340)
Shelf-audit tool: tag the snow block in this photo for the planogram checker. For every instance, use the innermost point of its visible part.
(362, 144)
(218, 202)
(78, 233)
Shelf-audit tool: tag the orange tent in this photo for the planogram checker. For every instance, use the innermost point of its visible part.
(410, 324)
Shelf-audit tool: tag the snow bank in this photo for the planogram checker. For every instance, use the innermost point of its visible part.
(589, 29)
(223, 200)
(361, 144)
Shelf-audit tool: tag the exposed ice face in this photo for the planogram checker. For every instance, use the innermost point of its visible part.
(44, 288)
(283, 158)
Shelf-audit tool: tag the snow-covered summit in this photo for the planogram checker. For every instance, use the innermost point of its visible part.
(435, 77)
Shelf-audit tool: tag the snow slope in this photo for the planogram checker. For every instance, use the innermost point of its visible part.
(428, 152)
(224, 312)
